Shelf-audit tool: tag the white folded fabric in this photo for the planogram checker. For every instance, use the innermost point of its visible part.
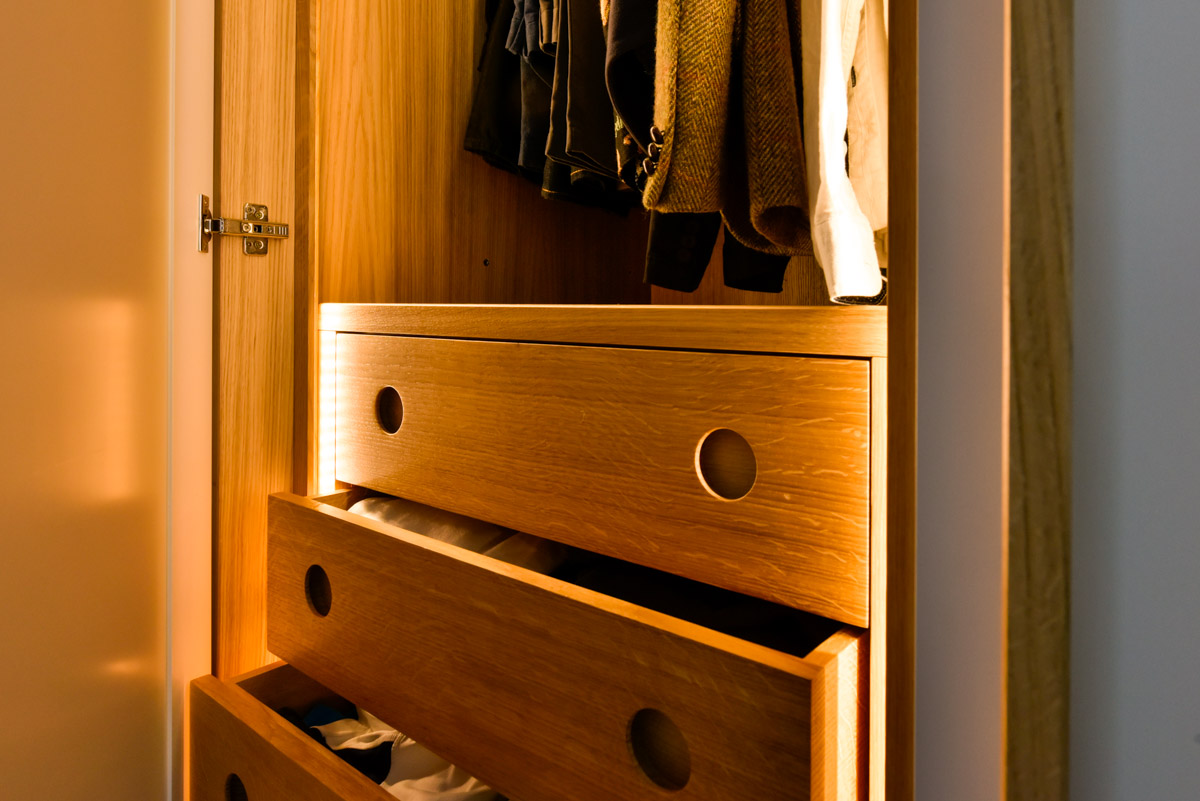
(523, 550)
(417, 774)
(465, 532)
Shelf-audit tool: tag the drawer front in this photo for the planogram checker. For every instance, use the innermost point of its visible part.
(547, 691)
(748, 472)
(241, 749)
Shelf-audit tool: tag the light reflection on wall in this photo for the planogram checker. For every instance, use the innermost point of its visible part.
(105, 363)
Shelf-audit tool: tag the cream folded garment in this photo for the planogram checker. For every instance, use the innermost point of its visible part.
(417, 774)
(523, 550)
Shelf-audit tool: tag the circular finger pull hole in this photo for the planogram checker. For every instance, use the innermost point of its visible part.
(317, 590)
(726, 464)
(389, 409)
(660, 750)
(234, 789)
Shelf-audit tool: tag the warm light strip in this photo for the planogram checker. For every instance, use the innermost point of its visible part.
(327, 412)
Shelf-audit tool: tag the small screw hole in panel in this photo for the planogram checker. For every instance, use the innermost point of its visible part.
(726, 465)
(389, 410)
(234, 789)
(317, 590)
(660, 749)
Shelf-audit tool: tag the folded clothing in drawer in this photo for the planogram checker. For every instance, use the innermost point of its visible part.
(396, 762)
(547, 690)
(241, 750)
(774, 625)
(523, 550)
(249, 743)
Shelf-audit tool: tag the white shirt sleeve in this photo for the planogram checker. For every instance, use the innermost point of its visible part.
(843, 236)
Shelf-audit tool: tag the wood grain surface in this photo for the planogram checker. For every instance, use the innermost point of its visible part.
(1039, 550)
(255, 324)
(531, 684)
(235, 733)
(878, 656)
(280, 685)
(406, 214)
(899, 728)
(306, 234)
(848, 332)
(839, 704)
(598, 448)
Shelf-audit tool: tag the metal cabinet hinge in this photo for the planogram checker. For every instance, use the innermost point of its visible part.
(254, 228)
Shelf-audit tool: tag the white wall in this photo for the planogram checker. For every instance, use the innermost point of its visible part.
(961, 427)
(1136, 579)
(84, 166)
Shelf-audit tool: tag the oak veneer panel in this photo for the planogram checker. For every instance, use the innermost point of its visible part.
(280, 685)
(255, 325)
(840, 331)
(839, 704)
(878, 671)
(898, 734)
(234, 733)
(1039, 550)
(597, 448)
(530, 683)
(406, 213)
(306, 234)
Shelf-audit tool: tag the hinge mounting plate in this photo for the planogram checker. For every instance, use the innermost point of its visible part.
(255, 227)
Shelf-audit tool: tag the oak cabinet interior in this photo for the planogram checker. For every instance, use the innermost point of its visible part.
(595, 418)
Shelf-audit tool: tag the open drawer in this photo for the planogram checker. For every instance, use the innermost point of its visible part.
(243, 751)
(548, 691)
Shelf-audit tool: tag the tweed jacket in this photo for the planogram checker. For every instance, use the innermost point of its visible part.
(756, 100)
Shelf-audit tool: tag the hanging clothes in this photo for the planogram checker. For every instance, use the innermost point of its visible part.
(494, 127)
(847, 154)
(754, 120)
(867, 119)
(680, 244)
(727, 107)
(580, 164)
(540, 109)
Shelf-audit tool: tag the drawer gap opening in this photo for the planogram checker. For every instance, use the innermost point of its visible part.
(776, 626)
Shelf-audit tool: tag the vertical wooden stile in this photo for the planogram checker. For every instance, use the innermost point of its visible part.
(898, 731)
(254, 311)
(1039, 532)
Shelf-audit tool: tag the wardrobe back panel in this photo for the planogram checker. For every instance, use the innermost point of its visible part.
(405, 213)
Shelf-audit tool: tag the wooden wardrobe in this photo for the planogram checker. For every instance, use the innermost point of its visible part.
(541, 386)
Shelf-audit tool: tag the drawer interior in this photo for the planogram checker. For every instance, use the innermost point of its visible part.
(242, 750)
(546, 690)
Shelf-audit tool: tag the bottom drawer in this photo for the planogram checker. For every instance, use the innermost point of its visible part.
(241, 750)
(548, 691)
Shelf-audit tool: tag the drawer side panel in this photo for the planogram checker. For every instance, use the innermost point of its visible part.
(233, 733)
